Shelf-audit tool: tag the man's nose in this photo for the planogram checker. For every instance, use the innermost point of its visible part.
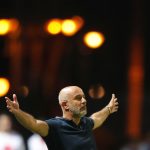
(83, 100)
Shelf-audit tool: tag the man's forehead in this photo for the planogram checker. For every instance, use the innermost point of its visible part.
(73, 90)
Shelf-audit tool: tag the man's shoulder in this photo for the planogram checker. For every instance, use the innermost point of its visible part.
(54, 121)
(88, 121)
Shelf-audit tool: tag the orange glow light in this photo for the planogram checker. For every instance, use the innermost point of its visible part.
(93, 39)
(54, 26)
(96, 91)
(14, 25)
(78, 21)
(24, 91)
(69, 27)
(4, 86)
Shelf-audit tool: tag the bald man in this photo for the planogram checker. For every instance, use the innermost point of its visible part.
(71, 131)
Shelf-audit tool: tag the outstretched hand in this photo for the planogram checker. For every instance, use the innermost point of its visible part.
(12, 105)
(113, 104)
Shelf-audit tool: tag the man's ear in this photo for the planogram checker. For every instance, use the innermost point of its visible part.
(65, 105)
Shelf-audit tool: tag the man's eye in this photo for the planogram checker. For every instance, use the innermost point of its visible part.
(78, 97)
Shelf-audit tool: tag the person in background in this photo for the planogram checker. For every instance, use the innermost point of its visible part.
(36, 142)
(9, 139)
(72, 130)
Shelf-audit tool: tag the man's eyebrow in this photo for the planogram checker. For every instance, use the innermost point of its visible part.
(79, 95)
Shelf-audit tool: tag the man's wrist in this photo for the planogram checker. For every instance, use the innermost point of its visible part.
(109, 110)
(16, 112)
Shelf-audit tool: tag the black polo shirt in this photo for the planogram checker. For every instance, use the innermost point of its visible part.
(66, 135)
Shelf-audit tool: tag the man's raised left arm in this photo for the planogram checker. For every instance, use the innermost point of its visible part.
(100, 116)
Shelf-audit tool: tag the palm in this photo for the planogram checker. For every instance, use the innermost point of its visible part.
(12, 105)
(15, 105)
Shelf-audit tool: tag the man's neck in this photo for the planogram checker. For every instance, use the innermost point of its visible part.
(75, 119)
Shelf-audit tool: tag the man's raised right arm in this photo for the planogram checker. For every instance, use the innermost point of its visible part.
(25, 119)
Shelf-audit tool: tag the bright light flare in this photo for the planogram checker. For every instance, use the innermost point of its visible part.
(4, 26)
(8, 25)
(93, 39)
(4, 86)
(54, 26)
(69, 27)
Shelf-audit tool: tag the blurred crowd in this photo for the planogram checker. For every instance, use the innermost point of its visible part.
(13, 140)
(138, 144)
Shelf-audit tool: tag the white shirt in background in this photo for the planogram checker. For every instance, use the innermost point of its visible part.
(11, 141)
(35, 142)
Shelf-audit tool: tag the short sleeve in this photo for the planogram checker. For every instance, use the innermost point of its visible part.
(89, 122)
(52, 122)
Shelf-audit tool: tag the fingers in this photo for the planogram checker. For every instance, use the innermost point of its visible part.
(15, 97)
(8, 101)
(7, 98)
(115, 100)
(115, 103)
(116, 108)
(9, 104)
(113, 96)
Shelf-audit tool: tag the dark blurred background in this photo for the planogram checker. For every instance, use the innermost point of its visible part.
(38, 64)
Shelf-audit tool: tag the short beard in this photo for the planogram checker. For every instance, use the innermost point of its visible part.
(78, 113)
